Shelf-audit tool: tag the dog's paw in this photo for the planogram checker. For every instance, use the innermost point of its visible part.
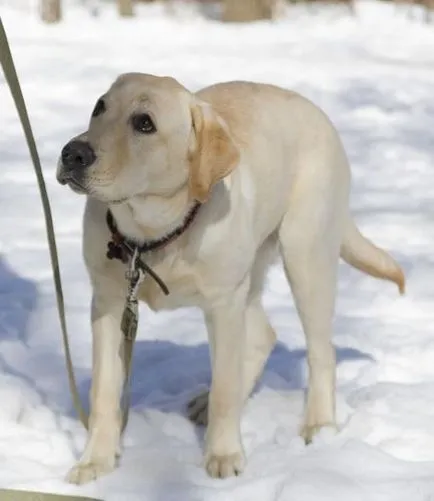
(85, 472)
(308, 432)
(223, 466)
(197, 409)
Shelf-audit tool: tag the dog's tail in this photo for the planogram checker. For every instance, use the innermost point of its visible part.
(359, 252)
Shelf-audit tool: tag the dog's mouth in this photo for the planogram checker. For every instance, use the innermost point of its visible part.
(76, 186)
(83, 188)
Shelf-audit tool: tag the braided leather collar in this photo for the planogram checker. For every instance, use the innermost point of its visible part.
(122, 248)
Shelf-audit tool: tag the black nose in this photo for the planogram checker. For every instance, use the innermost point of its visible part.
(78, 155)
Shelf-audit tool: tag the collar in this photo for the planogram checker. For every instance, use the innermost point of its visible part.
(123, 248)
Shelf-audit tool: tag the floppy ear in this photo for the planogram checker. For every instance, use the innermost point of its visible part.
(213, 154)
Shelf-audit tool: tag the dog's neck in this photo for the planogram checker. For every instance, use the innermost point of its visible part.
(151, 217)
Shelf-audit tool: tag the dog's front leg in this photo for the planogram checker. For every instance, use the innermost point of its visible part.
(107, 379)
(224, 455)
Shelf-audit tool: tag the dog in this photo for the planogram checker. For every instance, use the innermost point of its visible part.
(223, 182)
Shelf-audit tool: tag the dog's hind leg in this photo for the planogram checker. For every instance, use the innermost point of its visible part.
(311, 271)
(310, 237)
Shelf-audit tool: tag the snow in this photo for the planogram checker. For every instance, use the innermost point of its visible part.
(374, 76)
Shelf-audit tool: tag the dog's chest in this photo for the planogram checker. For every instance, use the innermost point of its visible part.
(181, 281)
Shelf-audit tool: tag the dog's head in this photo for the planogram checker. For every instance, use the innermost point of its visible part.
(148, 135)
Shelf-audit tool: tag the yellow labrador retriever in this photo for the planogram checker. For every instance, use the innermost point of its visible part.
(214, 185)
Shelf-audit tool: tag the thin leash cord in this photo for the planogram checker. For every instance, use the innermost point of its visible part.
(12, 80)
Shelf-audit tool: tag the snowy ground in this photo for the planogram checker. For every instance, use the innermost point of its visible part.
(375, 78)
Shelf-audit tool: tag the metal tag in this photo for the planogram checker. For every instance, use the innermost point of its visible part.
(130, 320)
(130, 316)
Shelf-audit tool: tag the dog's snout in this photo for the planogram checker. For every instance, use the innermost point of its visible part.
(78, 155)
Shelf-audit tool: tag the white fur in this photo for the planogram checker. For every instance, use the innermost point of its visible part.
(289, 193)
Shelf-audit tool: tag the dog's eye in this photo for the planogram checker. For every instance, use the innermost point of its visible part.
(99, 108)
(143, 123)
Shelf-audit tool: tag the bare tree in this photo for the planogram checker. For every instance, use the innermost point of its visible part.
(51, 11)
(125, 8)
(247, 10)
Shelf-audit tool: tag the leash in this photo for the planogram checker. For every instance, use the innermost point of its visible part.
(14, 86)
(12, 80)
(16, 495)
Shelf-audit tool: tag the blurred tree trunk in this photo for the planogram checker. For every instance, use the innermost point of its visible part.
(247, 10)
(125, 8)
(51, 11)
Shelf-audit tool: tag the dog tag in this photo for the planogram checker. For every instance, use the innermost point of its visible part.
(130, 320)
(130, 316)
